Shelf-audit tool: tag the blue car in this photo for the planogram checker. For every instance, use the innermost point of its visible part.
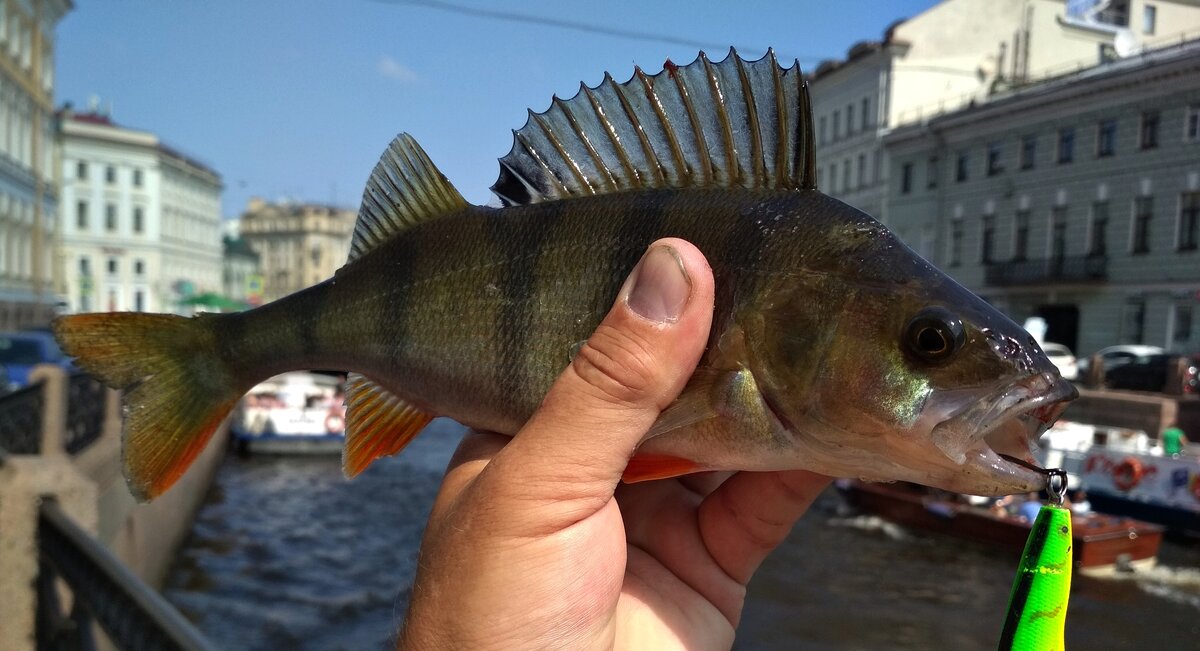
(21, 351)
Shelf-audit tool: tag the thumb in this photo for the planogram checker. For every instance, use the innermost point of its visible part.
(573, 450)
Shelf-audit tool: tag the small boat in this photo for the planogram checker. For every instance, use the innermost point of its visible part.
(1125, 472)
(1103, 544)
(293, 413)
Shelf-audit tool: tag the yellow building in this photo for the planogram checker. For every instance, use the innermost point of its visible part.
(28, 187)
(298, 244)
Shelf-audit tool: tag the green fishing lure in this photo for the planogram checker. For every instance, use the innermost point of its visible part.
(1037, 605)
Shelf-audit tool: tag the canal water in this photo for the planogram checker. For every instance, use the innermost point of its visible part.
(286, 554)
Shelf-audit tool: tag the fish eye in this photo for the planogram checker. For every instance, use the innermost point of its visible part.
(934, 334)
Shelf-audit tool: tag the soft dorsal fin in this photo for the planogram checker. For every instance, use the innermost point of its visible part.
(736, 123)
(405, 188)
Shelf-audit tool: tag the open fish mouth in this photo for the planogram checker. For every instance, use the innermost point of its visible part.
(996, 437)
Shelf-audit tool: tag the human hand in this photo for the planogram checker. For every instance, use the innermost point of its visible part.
(532, 543)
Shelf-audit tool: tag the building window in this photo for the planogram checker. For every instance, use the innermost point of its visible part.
(1183, 322)
(960, 167)
(906, 173)
(849, 119)
(139, 301)
(822, 136)
(1028, 152)
(1058, 235)
(81, 170)
(81, 215)
(1193, 123)
(862, 170)
(1066, 145)
(1148, 138)
(1143, 211)
(866, 113)
(988, 239)
(138, 219)
(1021, 235)
(1149, 19)
(994, 163)
(1134, 324)
(846, 175)
(1189, 220)
(110, 174)
(931, 173)
(85, 266)
(112, 266)
(837, 125)
(1098, 245)
(1106, 138)
(137, 178)
(110, 217)
(956, 240)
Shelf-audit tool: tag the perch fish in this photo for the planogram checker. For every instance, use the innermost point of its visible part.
(834, 346)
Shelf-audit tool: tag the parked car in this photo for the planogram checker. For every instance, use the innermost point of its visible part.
(1150, 373)
(1062, 357)
(1114, 356)
(21, 351)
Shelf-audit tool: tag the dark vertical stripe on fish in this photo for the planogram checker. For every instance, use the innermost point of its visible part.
(518, 288)
(394, 321)
(639, 225)
(744, 242)
(1020, 595)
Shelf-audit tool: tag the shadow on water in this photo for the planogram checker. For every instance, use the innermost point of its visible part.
(286, 553)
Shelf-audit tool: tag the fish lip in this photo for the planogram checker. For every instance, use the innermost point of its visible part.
(1034, 403)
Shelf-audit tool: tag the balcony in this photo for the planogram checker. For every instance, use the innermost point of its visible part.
(1081, 268)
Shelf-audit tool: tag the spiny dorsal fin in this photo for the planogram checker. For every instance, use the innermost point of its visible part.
(405, 188)
(736, 123)
(378, 423)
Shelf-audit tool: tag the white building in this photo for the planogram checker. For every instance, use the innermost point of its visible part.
(141, 221)
(956, 54)
(28, 187)
(1076, 200)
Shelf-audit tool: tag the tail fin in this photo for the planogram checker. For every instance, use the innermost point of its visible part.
(177, 388)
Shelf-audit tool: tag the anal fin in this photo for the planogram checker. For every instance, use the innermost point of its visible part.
(378, 423)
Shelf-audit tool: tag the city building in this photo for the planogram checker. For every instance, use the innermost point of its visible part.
(956, 54)
(1076, 199)
(28, 187)
(298, 244)
(141, 220)
(242, 277)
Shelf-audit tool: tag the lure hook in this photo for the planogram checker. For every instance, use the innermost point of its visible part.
(1056, 479)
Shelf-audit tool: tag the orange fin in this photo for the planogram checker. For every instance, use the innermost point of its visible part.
(644, 467)
(378, 424)
(177, 389)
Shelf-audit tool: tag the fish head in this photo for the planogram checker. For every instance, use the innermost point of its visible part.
(916, 379)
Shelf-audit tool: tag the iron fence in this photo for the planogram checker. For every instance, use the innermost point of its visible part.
(134, 616)
(21, 420)
(86, 402)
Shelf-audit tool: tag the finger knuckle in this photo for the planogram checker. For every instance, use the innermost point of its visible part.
(618, 364)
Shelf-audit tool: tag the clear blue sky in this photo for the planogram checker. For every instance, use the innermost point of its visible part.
(297, 99)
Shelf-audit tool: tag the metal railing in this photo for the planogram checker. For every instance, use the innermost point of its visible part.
(1088, 268)
(86, 403)
(23, 414)
(21, 420)
(133, 615)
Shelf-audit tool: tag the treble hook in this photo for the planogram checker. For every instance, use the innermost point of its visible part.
(1056, 478)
